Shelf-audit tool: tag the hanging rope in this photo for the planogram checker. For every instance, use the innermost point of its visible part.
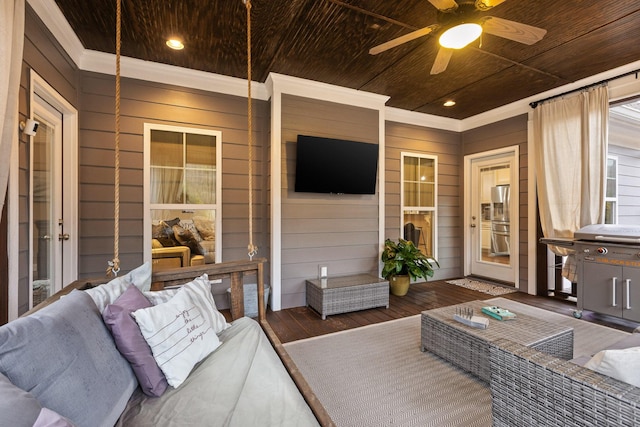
(114, 264)
(253, 249)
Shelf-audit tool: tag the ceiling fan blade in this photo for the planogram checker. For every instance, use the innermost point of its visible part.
(445, 5)
(511, 30)
(487, 4)
(442, 60)
(402, 39)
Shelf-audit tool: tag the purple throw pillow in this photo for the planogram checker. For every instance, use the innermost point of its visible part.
(131, 343)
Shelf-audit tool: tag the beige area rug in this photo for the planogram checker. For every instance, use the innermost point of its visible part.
(377, 376)
(481, 286)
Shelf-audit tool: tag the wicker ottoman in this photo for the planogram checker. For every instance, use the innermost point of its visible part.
(468, 348)
(345, 294)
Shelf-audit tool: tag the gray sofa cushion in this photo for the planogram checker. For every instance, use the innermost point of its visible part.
(65, 357)
(632, 340)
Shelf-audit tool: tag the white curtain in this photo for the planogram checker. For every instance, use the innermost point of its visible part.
(11, 42)
(166, 185)
(571, 155)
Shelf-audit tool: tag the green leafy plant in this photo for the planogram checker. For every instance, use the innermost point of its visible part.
(403, 258)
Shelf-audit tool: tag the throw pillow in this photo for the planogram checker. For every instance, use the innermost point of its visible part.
(130, 342)
(159, 297)
(623, 364)
(106, 294)
(49, 418)
(65, 357)
(183, 331)
(188, 224)
(185, 238)
(17, 407)
(163, 233)
(172, 222)
(205, 227)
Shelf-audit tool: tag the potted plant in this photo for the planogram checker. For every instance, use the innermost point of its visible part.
(404, 262)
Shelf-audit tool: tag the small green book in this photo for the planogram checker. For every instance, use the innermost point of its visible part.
(499, 313)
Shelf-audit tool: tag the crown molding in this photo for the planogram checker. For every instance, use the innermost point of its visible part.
(101, 62)
(393, 114)
(316, 90)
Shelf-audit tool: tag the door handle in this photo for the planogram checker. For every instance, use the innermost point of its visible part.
(627, 283)
(64, 236)
(613, 291)
(473, 226)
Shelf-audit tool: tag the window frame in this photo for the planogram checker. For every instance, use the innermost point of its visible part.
(613, 200)
(418, 209)
(148, 206)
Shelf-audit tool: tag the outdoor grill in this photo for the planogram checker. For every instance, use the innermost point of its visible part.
(608, 269)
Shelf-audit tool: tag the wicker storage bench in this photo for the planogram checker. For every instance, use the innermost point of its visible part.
(349, 293)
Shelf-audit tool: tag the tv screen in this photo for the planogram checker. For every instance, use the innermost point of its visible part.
(325, 165)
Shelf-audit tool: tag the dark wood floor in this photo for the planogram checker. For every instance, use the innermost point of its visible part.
(302, 322)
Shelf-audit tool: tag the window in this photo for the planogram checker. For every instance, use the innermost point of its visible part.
(418, 200)
(611, 191)
(182, 195)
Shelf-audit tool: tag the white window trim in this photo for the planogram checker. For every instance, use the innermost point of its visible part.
(613, 199)
(148, 127)
(433, 209)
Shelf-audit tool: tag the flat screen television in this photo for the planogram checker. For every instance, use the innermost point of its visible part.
(325, 165)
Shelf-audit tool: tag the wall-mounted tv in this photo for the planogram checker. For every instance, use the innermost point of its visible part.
(325, 165)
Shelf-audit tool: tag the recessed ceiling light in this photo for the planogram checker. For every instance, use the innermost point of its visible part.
(175, 44)
(449, 103)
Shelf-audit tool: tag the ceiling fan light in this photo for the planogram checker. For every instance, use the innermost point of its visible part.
(459, 36)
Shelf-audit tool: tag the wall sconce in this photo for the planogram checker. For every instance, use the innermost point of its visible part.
(30, 127)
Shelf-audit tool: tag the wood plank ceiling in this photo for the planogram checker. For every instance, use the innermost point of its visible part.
(329, 40)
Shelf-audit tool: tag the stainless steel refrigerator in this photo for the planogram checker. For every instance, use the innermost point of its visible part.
(500, 229)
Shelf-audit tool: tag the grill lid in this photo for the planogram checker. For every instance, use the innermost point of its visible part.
(609, 233)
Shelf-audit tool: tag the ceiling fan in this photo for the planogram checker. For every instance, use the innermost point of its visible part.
(463, 24)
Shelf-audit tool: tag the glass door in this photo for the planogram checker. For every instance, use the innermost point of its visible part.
(492, 234)
(47, 224)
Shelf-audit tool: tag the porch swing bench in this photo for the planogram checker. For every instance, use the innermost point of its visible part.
(273, 392)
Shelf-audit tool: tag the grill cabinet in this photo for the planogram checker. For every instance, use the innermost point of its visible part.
(608, 262)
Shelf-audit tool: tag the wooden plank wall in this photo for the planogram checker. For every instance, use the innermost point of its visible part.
(339, 231)
(146, 102)
(506, 133)
(446, 145)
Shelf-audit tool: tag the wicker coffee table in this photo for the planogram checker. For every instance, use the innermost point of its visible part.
(348, 293)
(468, 348)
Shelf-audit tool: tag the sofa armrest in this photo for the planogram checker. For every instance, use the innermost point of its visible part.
(533, 388)
(163, 257)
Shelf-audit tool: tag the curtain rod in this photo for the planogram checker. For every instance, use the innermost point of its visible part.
(536, 103)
